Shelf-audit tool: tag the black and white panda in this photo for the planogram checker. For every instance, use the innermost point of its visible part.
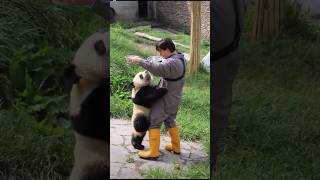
(89, 108)
(143, 96)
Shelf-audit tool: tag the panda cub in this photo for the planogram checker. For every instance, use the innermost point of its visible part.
(143, 96)
(89, 107)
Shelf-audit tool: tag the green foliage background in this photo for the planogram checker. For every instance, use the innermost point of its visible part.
(37, 41)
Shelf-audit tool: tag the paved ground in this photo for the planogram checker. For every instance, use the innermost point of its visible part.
(125, 163)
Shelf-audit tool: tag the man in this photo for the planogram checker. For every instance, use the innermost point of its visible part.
(171, 69)
(227, 25)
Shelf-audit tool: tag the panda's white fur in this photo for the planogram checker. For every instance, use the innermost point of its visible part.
(87, 151)
(92, 68)
(139, 82)
(137, 110)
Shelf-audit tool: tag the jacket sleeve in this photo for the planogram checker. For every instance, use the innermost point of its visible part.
(165, 69)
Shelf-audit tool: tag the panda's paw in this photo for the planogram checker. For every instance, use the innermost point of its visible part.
(136, 142)
(139, 146)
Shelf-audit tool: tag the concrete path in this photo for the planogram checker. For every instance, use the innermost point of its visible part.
(126, 164)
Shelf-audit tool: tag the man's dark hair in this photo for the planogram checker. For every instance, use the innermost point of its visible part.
(166, 44)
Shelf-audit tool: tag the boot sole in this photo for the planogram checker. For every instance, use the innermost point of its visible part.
(174, 152)
(150, 158)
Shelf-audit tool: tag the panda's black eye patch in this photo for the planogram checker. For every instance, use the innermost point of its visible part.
(100, 48)
(141, 77)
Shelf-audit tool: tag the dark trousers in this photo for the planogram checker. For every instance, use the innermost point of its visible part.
(224, 72)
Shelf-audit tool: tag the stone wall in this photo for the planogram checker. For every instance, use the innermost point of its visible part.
(125, 10)
(205, 19)
(176, 15)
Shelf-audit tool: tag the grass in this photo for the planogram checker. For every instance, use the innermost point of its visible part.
(32, 150)
(193, 115)
(274, 128)
(179, 37)
(198, 171)
(130, 160)
(273, 131)
(38, 40)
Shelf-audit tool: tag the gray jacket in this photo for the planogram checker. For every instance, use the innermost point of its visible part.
(171, 68)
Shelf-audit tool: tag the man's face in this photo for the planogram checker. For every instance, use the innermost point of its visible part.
(164, 53)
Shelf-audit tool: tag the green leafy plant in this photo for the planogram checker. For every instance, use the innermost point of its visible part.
(130, 160)
(296, 21)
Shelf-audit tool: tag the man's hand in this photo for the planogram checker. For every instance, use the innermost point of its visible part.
(135, 60)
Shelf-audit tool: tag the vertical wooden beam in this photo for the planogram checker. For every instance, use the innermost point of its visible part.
(282, 10)
(277, 16)
(261, 17)
(255, 22)
(195, 36)
(271, 16)
(267, 19)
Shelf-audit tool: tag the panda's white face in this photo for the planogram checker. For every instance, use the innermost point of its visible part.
(90, 60)
(142, 79)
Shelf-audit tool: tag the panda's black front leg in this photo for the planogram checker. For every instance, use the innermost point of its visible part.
(136, 140)
(161, 92)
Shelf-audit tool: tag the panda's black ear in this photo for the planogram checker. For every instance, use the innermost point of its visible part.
(100, 48)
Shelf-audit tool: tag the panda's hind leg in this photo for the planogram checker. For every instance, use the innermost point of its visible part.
(141, 125)
(136, 140)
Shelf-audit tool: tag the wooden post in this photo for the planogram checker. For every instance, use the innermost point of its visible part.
(266, 23)
(195, 36)
(255, 22)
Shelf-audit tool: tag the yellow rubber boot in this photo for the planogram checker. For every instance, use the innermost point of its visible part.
(154, 142)
(175, 141)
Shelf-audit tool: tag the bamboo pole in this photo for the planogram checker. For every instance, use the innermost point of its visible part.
(195, 36)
